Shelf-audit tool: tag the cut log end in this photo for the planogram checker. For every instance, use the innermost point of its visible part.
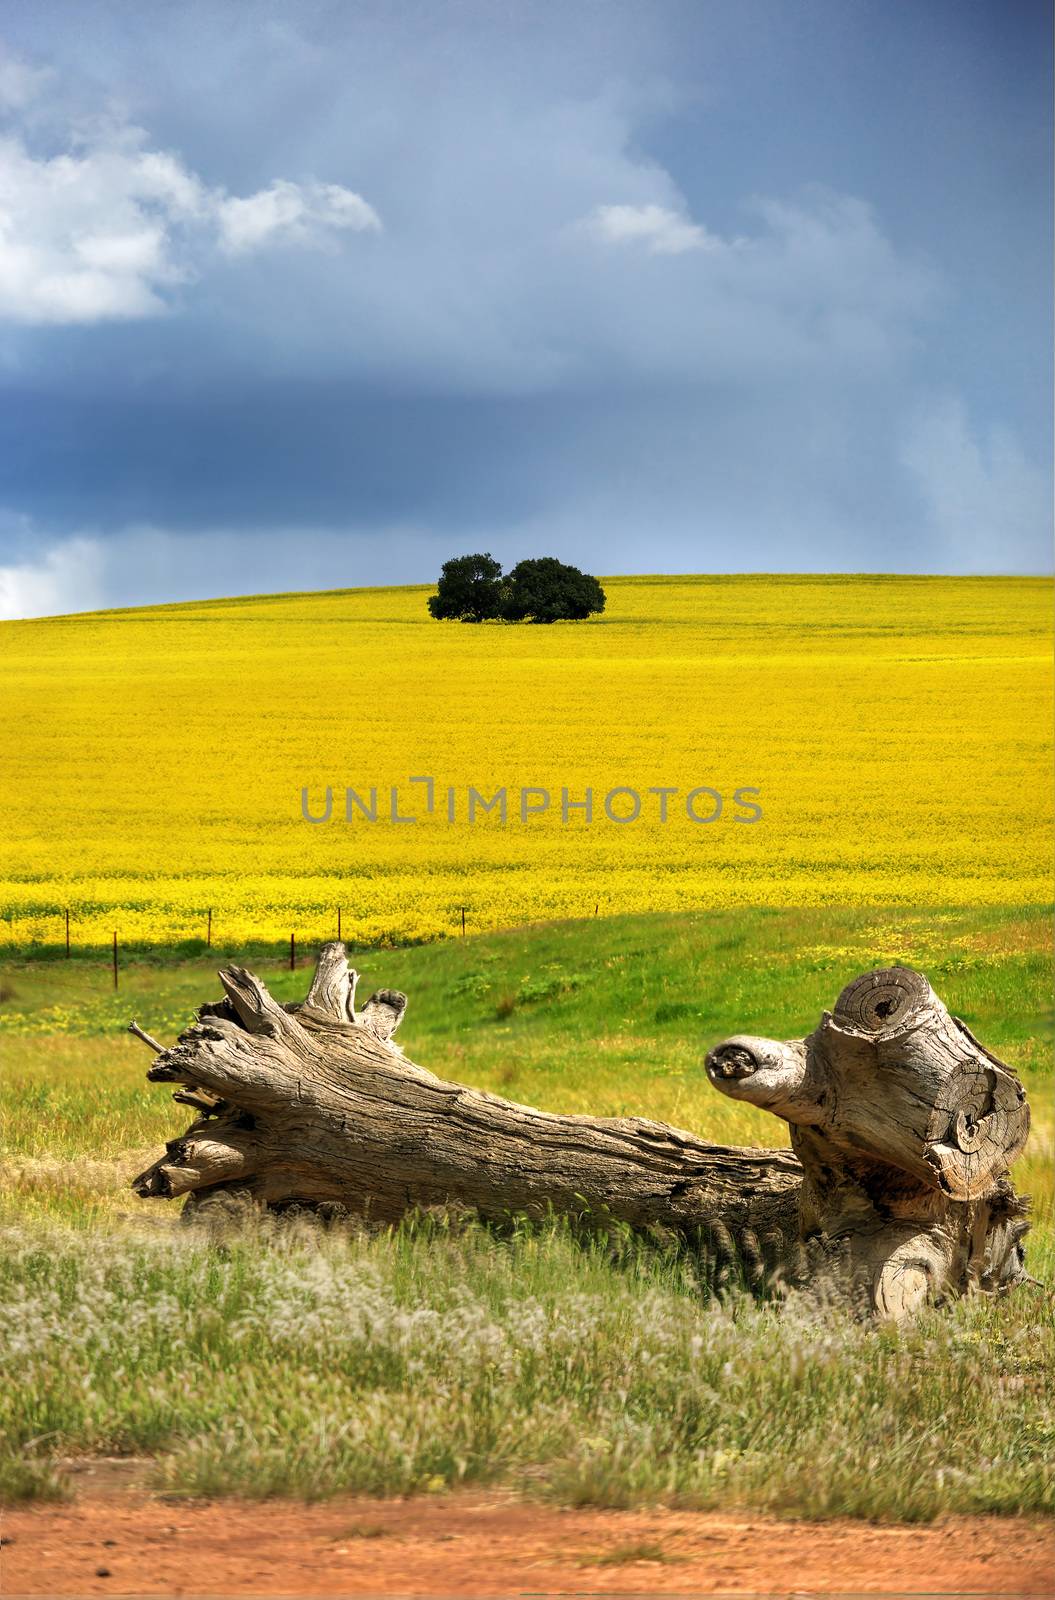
(980, 1123)
(764, 1072)
(884, 1001)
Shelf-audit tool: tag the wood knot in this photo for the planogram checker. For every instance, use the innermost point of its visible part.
(732, 1061)
(968, 1133)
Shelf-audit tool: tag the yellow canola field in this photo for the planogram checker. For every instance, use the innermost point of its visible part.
(897, 730)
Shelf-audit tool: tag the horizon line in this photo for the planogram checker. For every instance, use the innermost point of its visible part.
(798, 576)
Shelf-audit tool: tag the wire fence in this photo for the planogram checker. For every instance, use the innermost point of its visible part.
(460, 926)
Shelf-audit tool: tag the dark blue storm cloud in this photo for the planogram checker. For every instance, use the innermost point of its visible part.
(323, 293)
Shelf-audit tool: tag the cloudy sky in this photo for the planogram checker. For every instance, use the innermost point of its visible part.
(307, 294)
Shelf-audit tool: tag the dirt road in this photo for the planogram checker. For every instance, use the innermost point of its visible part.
(487, 1544)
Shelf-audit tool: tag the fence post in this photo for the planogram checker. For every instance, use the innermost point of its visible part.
(67, 933)
(292, 952)
(115, 958)
(463, 922)
(208, 931)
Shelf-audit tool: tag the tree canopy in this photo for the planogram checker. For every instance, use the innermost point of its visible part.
(473, 589)
(468, 590)
(546, 590)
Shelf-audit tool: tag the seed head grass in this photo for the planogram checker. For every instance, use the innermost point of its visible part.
(303, 1363)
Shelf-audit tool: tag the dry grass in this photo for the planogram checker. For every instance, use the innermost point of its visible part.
(295, 1362)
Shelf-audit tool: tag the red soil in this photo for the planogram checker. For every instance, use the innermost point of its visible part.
(117, 1540)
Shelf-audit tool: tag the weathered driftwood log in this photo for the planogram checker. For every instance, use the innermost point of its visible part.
(905, 1126)
(902, 1124)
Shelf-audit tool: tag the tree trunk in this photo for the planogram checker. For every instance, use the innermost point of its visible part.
(905, 1126)
(902, 1125)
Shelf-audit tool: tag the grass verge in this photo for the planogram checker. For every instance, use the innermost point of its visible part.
(307, 1364)
(294, 1361)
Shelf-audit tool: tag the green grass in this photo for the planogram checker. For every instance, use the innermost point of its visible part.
(299, 1361)
(308, 1364)
(623, 1555)
(609, 1017)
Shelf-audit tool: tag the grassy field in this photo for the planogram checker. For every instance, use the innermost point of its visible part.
(304, 1362)
(898, 731)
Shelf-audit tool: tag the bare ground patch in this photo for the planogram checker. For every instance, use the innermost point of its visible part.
(115, 1539)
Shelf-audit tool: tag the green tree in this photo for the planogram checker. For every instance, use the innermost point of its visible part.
(545, 590)
(469, 590)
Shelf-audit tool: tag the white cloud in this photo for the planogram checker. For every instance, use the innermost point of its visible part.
(68, 577)
(661, 231)
(106, 228)
(298, 213)
(987, 502)
(813, 285)
(488, 282)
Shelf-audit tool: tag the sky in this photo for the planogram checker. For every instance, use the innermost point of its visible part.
(317, 295)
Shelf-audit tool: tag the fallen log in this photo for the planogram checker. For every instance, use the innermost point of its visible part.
(902, 1127)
